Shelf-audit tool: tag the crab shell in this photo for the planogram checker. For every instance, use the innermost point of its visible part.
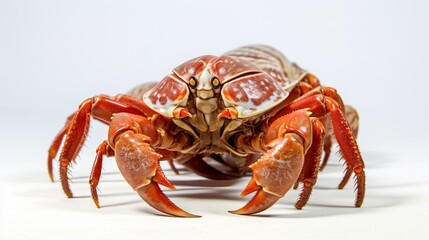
(243, 85)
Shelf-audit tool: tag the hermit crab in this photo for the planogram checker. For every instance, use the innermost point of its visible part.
(250, 109)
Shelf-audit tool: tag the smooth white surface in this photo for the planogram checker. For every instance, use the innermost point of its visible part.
(54, 54)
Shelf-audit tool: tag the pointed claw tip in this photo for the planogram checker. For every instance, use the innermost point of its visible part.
(51, 177)
(252, 186)
(179, 213)
(260, 202)
(154, 196)
(236, 212)
(95, 200)
(188, 215)
(161, 179)
(358, 202)
(241, 211)
(68, 194)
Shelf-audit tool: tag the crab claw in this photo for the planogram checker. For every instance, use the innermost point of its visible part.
(154, 196)
(260, 202)
(274, 174)
(139, 164)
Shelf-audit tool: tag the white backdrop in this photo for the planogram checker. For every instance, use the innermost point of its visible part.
(54, 54)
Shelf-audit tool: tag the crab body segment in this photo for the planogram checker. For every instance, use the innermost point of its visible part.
(250, 108)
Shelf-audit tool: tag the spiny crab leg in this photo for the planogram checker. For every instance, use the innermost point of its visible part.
(278, 169)
(55, 146)
(310, 169)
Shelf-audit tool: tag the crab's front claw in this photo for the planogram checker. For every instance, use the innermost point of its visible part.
(154, 196)
(260, 202)
(274, 173)
(139, 164)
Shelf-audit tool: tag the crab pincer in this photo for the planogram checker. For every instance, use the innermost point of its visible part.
(273, 174)
(279, 168)
(139, 164)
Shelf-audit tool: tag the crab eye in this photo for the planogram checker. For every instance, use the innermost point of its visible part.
(215, 82)
(193, 82)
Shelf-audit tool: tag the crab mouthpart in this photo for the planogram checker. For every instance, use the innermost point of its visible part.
(230, 113)
(205, 94)
(206, 106)
(181, 113)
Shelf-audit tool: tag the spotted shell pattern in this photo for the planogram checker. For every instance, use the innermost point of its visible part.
(254, 79)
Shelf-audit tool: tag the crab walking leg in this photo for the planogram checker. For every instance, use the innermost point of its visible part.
(289, 137)
(353, 120)
(352, 117)
(327, 149)
(103, 150)
(301, 102)
(56, 144)
(99, 107)
(311, 164)
(132, 138)
(135, 103)
(349, 148)
(320, 105)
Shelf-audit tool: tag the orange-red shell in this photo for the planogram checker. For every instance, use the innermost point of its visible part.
(245, 86)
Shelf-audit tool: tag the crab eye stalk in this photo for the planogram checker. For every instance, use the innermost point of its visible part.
(215, 83)
(193, 82)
